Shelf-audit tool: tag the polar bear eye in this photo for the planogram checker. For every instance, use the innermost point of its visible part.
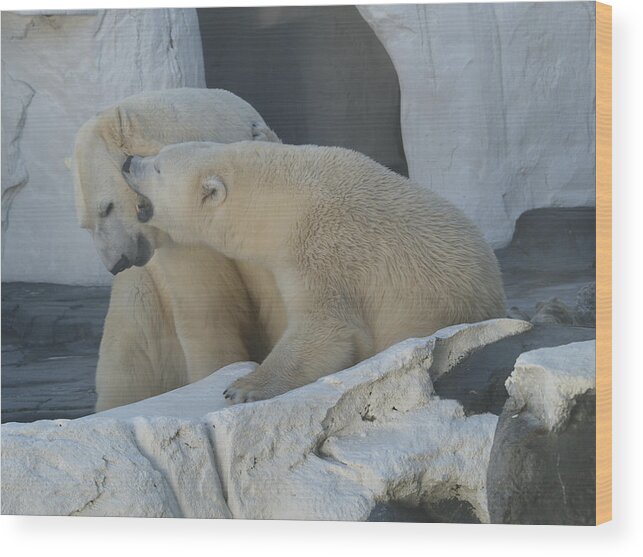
(156, 167)
(105, 210)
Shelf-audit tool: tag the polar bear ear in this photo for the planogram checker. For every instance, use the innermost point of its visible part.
(214, 190)
(117, 131)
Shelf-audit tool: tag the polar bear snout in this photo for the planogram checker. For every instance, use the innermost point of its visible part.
(142, 253)
(122, 264)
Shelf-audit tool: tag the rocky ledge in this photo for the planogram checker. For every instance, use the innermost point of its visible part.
(373, 442)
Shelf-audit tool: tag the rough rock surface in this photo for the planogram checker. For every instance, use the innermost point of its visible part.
(543, 468)
(497, 103)
(478, 382)
(16, 97)
(585, 309)
(355, 445)
(553, 311)
(552, 255)
(59, 70)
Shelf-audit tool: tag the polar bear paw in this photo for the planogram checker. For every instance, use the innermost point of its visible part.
(250, 388)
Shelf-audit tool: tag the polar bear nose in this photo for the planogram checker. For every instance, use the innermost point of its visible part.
(127, 164)
(122, 264)
(144, 209)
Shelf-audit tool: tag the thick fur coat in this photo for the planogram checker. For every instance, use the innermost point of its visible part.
(362, 257)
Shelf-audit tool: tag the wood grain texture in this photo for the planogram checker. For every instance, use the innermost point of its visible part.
(603, 263)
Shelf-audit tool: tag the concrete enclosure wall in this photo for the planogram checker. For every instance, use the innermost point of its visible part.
(497, 103)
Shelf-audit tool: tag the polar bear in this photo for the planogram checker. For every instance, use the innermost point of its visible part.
(363, 257)
(189, 310)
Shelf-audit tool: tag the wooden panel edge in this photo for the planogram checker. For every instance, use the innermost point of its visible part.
(603, 263)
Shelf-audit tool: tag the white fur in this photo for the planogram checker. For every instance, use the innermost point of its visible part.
(190, 310)
(363, 257)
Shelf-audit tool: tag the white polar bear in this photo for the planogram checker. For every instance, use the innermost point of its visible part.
(189, 310)
(363, 258)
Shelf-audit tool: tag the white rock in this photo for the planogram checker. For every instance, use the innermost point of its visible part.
(497, 103)
(57, 72)
(148, 467)
(469, 337)
(546, 381)
(16, 97)
(327, 451)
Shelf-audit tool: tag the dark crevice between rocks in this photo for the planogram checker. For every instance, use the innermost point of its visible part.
(478, 382)
(443, 511)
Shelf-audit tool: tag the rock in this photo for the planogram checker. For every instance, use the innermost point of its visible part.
(478, 381)
(552, 255)
(543, 461)
(553, 311)
(515, 312)
(158, 467)
(364, 443)
(59, 70)
(585, 310)
(16, 97)
(497, 104)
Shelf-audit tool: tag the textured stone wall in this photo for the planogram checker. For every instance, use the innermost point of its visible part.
(497, 103)
(57, 72)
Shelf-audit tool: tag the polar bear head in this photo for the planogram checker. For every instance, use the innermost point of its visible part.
(104, 204)
(180, 189)
(243, 199)
(144, 124)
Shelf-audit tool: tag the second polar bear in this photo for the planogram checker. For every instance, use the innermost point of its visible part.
(363, 257)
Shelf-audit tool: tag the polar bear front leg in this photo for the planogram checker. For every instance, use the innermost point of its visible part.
(311, 347)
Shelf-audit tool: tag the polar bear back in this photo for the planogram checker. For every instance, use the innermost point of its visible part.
(408, 259)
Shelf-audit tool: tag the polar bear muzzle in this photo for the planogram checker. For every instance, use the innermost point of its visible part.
(143, 254)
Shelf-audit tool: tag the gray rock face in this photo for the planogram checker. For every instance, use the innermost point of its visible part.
(362, 443)
(542, 468)
(583, 314)
(59, 70)
(497, 103)
(585, 310)
(16, 97)
(478, 382)
(552, 255)
(553, 311)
